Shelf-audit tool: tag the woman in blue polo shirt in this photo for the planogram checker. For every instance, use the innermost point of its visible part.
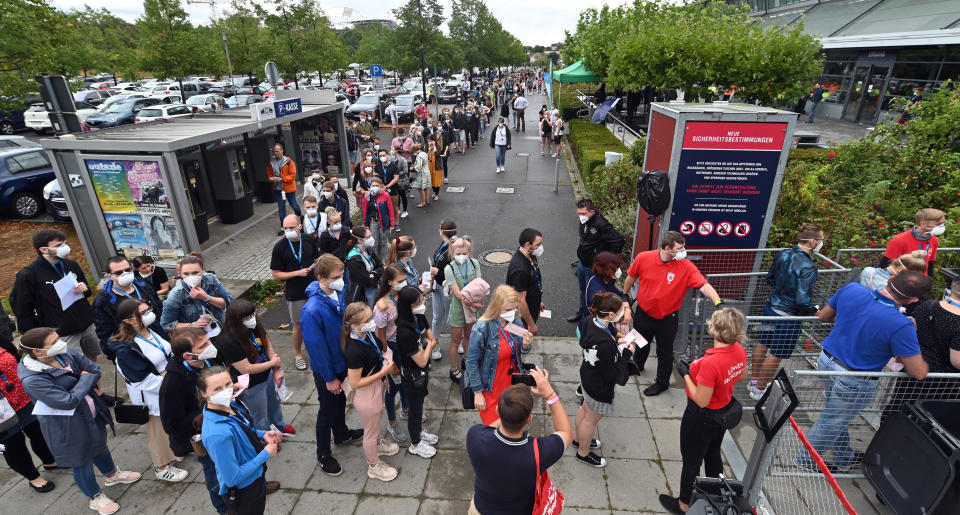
(238, 449)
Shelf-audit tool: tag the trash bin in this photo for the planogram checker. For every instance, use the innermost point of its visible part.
(924, 436)
(612, 157)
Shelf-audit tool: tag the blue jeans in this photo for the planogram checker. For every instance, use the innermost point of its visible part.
(84, 477)
(371, 294)
(264, 404)
(213, 486)
(846, 397)
(291, 198)
(583, 273)
(501, 154)
(390, 400)
(813, 109)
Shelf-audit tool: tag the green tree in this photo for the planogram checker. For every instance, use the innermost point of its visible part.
(32, 30)
(244, 38)
(418, 41)
(168, 43)
(298, 37)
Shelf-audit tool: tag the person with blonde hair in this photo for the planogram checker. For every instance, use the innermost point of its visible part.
(924, 235)
(709, 385)
(876, 278)
(421, 165)
(461, 269)
(495, 354)
(402, 251)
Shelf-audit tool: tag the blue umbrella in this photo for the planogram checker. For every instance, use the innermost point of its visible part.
(601, 113)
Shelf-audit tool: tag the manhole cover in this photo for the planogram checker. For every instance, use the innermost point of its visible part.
(505, 190)
(497, 258)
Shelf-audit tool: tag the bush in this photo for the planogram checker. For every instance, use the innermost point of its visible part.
(638, 150)
(589, 141)
(263, 291)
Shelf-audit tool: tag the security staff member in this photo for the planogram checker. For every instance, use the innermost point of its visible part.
(663, 277)
(596, 235)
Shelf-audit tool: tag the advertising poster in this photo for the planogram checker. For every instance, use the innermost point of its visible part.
(110, 183)
(724, 182)
(146, 187)
(126, 230)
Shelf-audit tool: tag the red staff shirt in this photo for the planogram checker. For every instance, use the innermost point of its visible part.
(905, 243)
(661, 286)
(719, 368)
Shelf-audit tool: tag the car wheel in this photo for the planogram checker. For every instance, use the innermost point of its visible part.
(26, 205)
(6, 128)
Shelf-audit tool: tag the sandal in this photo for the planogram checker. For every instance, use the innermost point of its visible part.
(436, 197)
(421, 205)
(300, 363)
(455, 375)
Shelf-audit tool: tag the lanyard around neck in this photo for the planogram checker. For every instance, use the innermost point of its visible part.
(371, 342)
(297, 253)
(136, 290)
(154, 341)
(513, 349)
(62, 270)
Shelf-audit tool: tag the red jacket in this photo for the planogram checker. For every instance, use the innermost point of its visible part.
(8, 367)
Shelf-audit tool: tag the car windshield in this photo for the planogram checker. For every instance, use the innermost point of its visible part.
(405, 100)
(144, 113)
(120, 107)
(368, 100)
(196, 100)
(37, 107)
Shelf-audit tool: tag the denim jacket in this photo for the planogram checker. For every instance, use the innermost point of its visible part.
(792, 279)
(483, 351)
(180, 308)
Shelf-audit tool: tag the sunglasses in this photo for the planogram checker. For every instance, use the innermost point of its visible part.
(125, 270)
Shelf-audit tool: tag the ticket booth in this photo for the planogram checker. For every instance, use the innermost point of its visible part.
(152, 188)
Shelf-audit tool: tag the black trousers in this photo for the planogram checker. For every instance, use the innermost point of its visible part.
(664, 331)
(415, 398)
(443, 159)
(18, 457)
(700, 441)
(251, 499)
(330, 416)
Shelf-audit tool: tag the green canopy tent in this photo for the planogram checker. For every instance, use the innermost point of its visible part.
(576, 72)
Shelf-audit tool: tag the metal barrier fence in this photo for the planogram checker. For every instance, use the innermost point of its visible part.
(858, 259)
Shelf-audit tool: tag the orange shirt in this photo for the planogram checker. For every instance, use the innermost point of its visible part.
(661, 286)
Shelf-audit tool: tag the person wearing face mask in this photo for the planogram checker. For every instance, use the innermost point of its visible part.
(152, 274)
(415, 343)
(494, 354)
(198, 300)
(35, 302)
(391, 111)
(336, 239)
(604, 366)
(923, 236)
(121, 283)
(524, 275)
(311, 188)
(461, 269)
(363, 267)
(282, 171)
(472, 113)
(328, 198)
(393, 280)
(792, 279)
(290, 262)
(362, 173)
(314, 220)
(397, 179)
(57, 377)
(440, 304)
(421, 167)
(603, 277)
(445, 141)
(322, 325)
(369, 362)
(353, 143)
(460, 126)
(365, 133)
(663, 277)
(596, 235)
(142, 356)
(435, 165)
(500, 142)
(876, 278)
(237, 447)
(378, 214)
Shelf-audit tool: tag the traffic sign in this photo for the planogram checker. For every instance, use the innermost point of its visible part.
(377, 83)
(724, 228)
(376, 70)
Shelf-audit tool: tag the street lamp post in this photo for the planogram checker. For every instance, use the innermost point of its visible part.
(227, 50)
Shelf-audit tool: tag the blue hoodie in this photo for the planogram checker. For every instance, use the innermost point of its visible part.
(321, 323)
(237, 462)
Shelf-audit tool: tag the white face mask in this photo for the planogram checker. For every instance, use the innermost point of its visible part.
(369, 327)
(337, 285)
(368, 169)
(936, 231)
(818, 247)
(618, 274)
(63, 251)
(460, 258)
(509, 315)
(290, 233)
(315, 177)
(583, 218)
(375, 190)
(384, 159)
(376, 147)
(336, 226)
(250, 323)
(413, 252)
(327, 194)
(618, 317)
(538, 252)
(57, 348)
(209, 352)
(399, 286)
(419, 310)
(125, 279)
(370, 242)
(223, 397)
(336, 185)
(192, 281)
(312, 212)
(681, 255)
(369, 158)
(148, 318)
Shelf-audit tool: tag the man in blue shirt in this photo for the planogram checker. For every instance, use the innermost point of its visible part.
(868, 330)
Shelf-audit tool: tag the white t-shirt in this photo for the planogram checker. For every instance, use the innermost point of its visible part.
(392, 111)
(501, 137)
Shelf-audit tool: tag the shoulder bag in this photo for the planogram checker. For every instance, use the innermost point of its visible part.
(466, 393)
(728, 416)
(548, 500)
(128, 413)
(8, 415)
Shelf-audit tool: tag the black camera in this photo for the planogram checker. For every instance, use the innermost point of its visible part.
(523, 377)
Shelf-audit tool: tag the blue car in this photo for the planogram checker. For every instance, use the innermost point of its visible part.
(23, 174)
(120, 113)
(11, 113)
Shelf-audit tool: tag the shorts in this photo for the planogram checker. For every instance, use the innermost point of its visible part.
(85, 341)
(353, 155)
(394, 123)
(463, 135)
(600, 408)
(294, 307)
(557, 139)
(779, 337)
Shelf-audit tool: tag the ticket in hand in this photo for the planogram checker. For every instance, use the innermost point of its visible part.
(425, 279)
(515, 329)
(636, 338)
(546, 314)
(894, 365)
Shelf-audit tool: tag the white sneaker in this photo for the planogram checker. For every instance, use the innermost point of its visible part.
(422, 449)
(382, 471)
(103, 505)
(446, 181)
(755, 392)
(121, 477)
(171, 474)
(460, 349)
(396, 433)
(404, 214)
(498, 169)
(436, 353)
(429, 438)
(387, 448)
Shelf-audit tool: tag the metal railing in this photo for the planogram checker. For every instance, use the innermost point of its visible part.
(858, 259)
(619, 128)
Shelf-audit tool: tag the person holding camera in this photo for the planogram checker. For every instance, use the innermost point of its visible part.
(415, 343)
(238, 449)
(504, 464)
(493, 356)
(711, 408)
(605, 364)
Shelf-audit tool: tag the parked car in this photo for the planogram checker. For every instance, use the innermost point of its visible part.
(406, 104)
(38, 119)
(54, 202)
(448, 95)
(11, 117)
(121, 113)
(205, 103)
(23, 174)
(243, 100)
(172, 98)
(162, 112)
(94, 97)
(16, 142)
(371, 104)
(225, 90)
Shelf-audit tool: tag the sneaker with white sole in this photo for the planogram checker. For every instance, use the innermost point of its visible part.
(121, 477)
(755, 392)
(436, 354)
(579, 391)
(460, 349)
(103, 505)
(446, 181)
(387, 448)
(499, 170)
(396, 433)
(431, 439)
(593, 460)
(422, 449)
(171, 474)
(404, 214)
(381, 471)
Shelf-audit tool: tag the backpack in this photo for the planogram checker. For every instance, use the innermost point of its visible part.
(653, 193)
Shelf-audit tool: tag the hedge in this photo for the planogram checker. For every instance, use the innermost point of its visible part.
(589, 141)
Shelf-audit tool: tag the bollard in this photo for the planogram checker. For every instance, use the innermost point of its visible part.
(556, 175)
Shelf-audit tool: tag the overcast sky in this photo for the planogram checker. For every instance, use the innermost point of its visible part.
(535, 22)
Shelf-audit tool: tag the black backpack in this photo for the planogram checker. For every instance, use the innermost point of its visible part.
(653, 193)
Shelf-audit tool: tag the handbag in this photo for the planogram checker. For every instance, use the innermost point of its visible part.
(348, 390)
(466, 393)
(728, 416)
(548, 500)
(128, 413)
(8, 415)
